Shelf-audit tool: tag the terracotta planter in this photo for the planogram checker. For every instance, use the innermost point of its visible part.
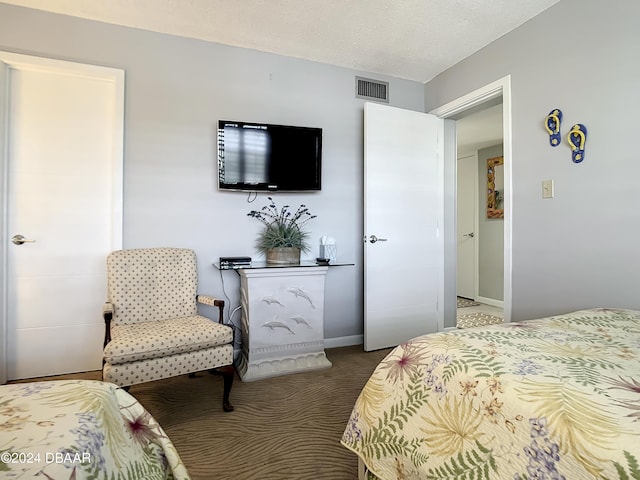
(283, 255)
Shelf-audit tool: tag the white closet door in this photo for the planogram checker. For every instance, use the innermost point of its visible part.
(64, 198)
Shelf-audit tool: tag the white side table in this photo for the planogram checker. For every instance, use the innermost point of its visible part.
(282, 321)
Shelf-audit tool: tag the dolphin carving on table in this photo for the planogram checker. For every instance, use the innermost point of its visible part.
(270, 300)
(298, 292)
(299, 319)
(275, 323)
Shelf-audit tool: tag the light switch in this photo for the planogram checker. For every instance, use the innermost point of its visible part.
(547, 189)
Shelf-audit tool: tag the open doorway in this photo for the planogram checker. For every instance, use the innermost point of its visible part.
(480, 232)
(495, 93)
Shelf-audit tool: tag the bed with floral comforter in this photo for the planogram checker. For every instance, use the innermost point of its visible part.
(81, 429)
(554, 398)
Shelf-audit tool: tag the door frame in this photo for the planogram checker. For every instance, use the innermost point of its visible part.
(9, 60)
(474, 99)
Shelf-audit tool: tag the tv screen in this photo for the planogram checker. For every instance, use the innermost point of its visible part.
(265, 157)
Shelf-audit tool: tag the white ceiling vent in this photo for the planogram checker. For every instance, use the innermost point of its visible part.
(372, 89)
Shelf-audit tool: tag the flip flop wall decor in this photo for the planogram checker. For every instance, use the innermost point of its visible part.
(577, 138)
(552, 124)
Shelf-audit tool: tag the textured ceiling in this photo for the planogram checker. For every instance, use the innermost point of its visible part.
(411, 39)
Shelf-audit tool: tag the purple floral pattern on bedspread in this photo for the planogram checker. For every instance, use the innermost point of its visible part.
(555, 398)
(81, 429)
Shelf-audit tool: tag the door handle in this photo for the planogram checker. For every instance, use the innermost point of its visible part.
(374, 239)
(470, 235)
(20, 239)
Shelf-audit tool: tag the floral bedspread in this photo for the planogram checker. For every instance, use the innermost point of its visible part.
(554, 398)
(81, 429)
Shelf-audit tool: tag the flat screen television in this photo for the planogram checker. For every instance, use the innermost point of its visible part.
(264, 157)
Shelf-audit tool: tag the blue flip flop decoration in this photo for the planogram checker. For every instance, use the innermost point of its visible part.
(552, 124)
(577, 138)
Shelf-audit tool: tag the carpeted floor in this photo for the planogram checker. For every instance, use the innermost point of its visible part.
(466, 302)
(286, 427)
(477, 319)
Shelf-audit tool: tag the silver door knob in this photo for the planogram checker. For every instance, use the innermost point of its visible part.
(470, 235)
(374, 239)
(20, 239)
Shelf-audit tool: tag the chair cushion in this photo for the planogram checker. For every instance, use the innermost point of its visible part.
(147, 340)
(165, 367)
(152, 284)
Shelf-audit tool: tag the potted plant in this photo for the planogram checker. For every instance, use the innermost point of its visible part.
(282, 238)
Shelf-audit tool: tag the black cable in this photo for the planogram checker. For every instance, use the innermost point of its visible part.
(237, 328)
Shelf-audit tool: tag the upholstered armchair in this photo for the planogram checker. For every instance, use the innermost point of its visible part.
(153, 329)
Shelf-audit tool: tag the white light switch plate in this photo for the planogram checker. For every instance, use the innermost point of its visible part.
(547, 189)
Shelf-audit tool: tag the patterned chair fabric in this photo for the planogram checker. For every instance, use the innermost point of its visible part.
(153, 329)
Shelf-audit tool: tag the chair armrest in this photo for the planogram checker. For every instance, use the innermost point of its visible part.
(107, 313)
(213, 302)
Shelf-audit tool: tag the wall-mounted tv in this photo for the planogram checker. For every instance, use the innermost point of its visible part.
(263, 157)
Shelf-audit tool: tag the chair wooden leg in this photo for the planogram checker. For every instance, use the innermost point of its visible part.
(228, 373)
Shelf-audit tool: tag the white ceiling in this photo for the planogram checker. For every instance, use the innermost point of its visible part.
(479, 130)
(411, 39)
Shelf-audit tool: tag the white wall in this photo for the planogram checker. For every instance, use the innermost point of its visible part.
(579, 249)
(490, 236)
(176, 91)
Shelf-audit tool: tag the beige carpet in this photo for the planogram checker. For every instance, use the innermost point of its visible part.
(477, 319)
(286, 427)
(466, 302)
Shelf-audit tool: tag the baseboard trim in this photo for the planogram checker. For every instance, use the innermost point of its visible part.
(344, 341)
(336, 342)
(490, 301)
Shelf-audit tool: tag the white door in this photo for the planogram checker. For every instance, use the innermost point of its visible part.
(63, 196)
(467, 201)
(403, 205)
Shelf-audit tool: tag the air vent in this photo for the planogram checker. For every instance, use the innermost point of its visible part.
(372, 89)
